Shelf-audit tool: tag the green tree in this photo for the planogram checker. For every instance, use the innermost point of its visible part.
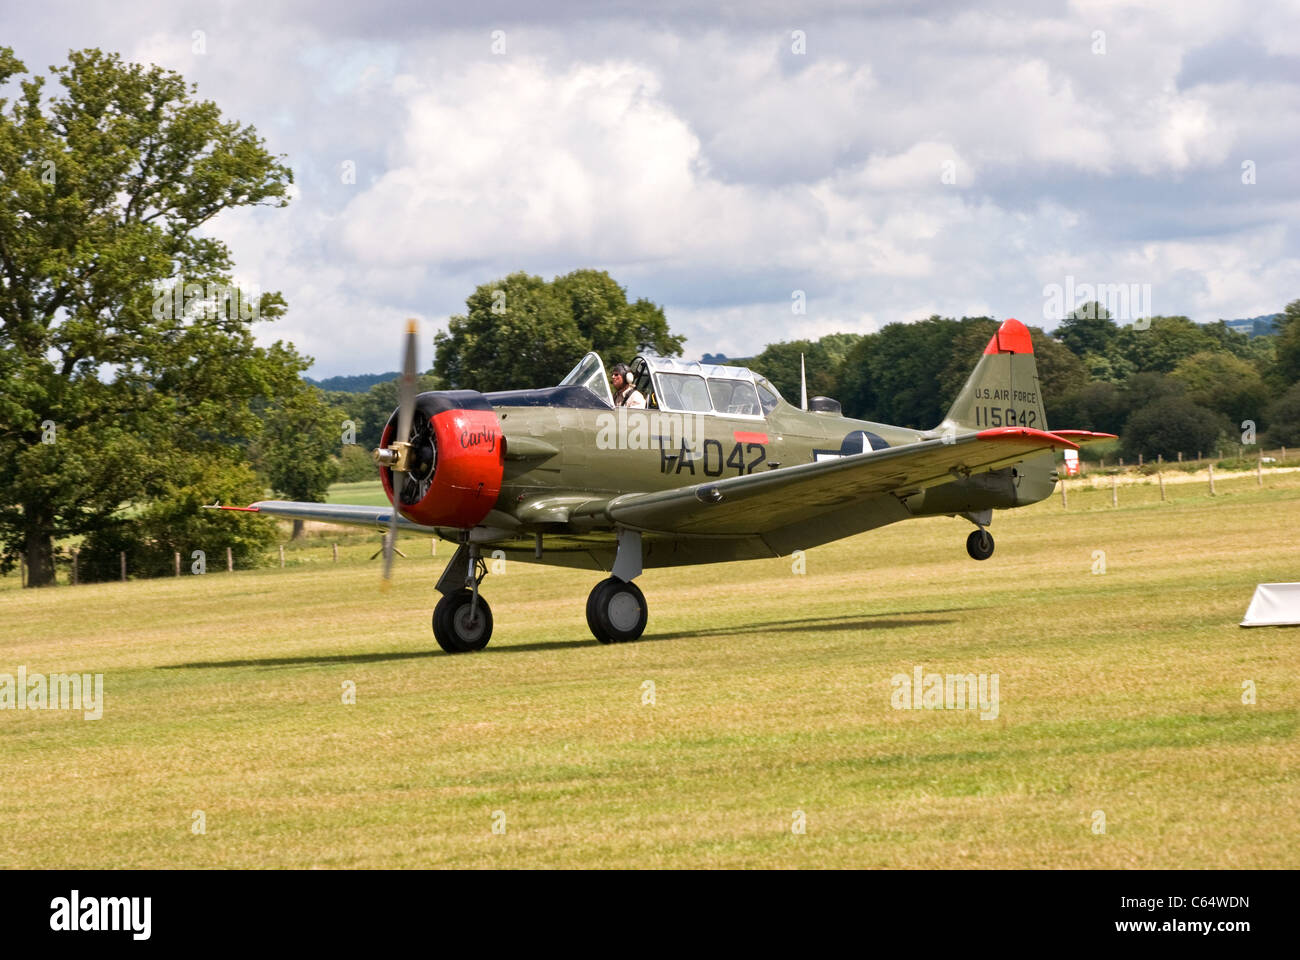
(1162, 346)
(855, 389)
(1224, 383)
(780, 364)
(1098, 405)
(1288, 343)
(370, 411)
(616, 329)
(1283, 419)
(1060, 373)
(109, 390)
(525, 332)
(175, 521)
(301, 437)
(1088, 329)
(1171, 425)
(902, 367)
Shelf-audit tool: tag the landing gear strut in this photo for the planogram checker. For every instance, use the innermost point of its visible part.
(616, 608)
(462, 620)
(980, 544)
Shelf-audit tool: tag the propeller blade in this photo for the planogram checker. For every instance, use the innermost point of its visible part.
(406, 389)
(390, 538)
(406, 392)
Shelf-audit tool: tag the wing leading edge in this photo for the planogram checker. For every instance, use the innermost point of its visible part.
(349, 513)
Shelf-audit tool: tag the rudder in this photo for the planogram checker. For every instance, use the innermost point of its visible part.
(1003, 390)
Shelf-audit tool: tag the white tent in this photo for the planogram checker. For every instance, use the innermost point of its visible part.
(1274, 605)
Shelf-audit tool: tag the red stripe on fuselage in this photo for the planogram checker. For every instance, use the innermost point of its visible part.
(744, 436)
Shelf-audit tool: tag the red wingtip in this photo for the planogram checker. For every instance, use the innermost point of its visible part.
(1012, 337)
(1084, 436)
(1028, 433)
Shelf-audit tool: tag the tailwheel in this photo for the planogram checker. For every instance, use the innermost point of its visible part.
(460, 623)
(616, 611)
(980, 544)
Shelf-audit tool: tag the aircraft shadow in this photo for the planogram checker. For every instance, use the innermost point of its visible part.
(803, 625)
(811, 625)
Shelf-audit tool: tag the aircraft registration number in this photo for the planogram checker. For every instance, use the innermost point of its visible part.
(711, 457)
(1005, 417)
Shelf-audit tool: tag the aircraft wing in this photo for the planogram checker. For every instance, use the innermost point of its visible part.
(329, 513)
(760, 502)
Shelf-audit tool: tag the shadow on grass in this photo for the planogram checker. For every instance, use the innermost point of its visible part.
(312, 660)
(805, 624)
(813, 624)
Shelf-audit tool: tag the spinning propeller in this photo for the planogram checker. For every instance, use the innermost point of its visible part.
(398, 453)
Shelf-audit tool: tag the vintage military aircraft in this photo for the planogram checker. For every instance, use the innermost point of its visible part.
(717, 467)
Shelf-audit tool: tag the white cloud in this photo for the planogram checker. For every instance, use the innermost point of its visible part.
(711, 169)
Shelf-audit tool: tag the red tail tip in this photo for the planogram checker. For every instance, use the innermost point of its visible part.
(1012, 337)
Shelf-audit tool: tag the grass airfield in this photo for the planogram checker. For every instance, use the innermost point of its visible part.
(1120, 692)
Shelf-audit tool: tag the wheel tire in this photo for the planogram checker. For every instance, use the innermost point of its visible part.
(980, 544)
(452, 627)
(616, 611)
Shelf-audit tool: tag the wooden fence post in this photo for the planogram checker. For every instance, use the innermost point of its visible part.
(1161, 478)
(75, 554)
(282, 556)
(176, 558)
(230, 561)
(1211, 479)
(336, 553)
(1065, 502)
(121, 557)
(1114, 491)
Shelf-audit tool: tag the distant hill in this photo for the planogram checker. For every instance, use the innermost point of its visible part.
(1256, 326)
(358, 383)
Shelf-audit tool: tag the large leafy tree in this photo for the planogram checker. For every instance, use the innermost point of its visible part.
(109, 390)
(524, 332)
(302, 436)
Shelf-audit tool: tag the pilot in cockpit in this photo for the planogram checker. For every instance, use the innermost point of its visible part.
(625, 392)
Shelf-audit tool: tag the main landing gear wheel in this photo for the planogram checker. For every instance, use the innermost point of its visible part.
(456, 629)
(980, 544)
(616, 611)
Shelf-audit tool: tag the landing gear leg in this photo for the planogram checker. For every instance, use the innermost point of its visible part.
(462, 620)
(980, 543)
(616, 608)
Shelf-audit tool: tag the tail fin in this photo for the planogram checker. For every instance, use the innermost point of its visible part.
(1003, 389)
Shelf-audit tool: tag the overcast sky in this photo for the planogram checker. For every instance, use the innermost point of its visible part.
(889, 162)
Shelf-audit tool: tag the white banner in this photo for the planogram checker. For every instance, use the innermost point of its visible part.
(1274, 605)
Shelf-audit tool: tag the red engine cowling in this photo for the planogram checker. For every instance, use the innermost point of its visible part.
(456, 460)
